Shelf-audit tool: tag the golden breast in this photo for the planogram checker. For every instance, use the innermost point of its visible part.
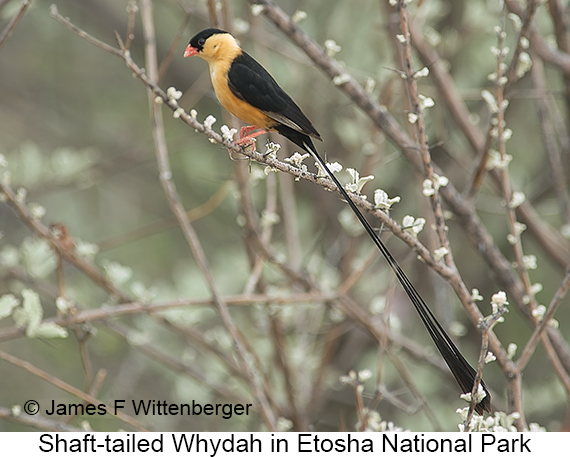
(236, 106)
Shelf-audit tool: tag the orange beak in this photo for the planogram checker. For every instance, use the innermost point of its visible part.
(190, 51)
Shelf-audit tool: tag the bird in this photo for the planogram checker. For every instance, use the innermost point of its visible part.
(248, 91)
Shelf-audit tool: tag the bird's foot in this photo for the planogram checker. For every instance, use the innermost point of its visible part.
(246, 130)
(246, 138)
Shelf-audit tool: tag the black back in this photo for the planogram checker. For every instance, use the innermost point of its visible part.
(249, 81)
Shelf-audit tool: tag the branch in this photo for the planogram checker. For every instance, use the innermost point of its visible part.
(37, 422)
(126, 309)
(61, 246)
(419, 123)
(552, 56)
(69, 388)
(544, 322)
(7, 32)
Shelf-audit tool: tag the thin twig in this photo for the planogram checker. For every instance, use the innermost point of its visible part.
(559, 15)
(62, 247)
(83, 34)
(164, 358)
(144, 231)
(486, 325)
(419, 124)
(7, 32)
(30, 368)
(102, 314)
(130, 35)
(545, 114)
(522, 44)
(37, 422)
(544, 323)
(547, 53)
(165, 64)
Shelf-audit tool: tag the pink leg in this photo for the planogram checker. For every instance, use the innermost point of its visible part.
(246, 138)
(245, 130)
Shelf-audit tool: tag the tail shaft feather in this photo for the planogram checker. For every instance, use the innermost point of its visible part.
(463, 373)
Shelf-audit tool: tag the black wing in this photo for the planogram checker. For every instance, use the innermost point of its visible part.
(249, 81)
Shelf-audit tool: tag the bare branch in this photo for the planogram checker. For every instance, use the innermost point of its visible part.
(7, 31)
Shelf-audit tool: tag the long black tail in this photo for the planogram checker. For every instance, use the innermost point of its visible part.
(463, 373)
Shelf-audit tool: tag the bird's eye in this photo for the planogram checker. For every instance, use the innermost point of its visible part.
(201, 41)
